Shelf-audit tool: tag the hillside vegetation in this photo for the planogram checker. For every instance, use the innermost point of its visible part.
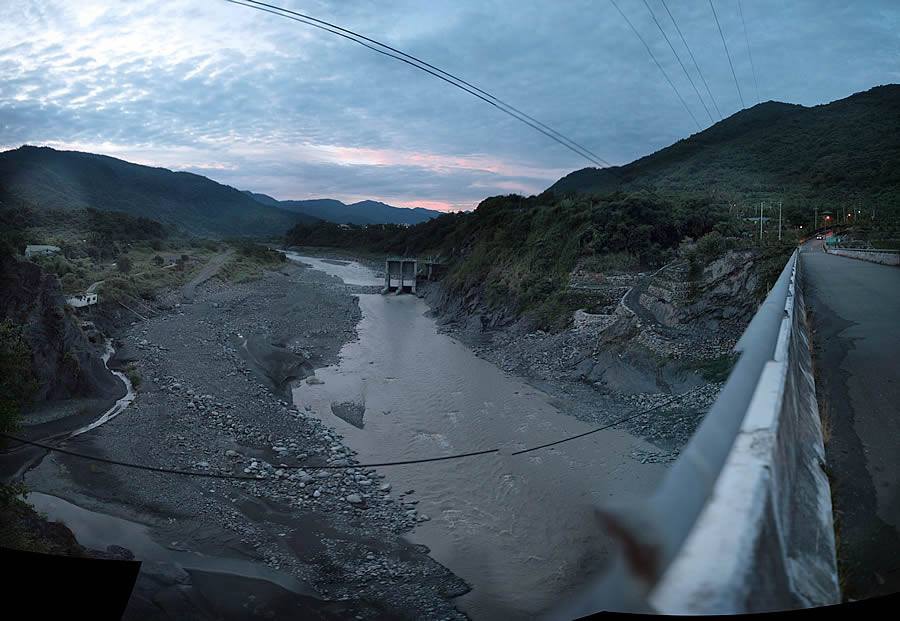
(516, 254)
(69, 180)
(839, 157)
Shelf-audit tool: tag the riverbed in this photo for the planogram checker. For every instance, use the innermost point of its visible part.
(519, 529)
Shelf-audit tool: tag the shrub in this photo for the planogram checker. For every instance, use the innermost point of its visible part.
(123, 264)
(712, 245)
(17, 381)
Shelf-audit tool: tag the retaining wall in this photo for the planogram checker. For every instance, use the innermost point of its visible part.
(885, 257)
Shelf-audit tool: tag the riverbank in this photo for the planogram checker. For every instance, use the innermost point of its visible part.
(592, 373)
(205, 404)
(597, 374)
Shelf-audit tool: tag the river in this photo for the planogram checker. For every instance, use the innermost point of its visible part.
(519, 529)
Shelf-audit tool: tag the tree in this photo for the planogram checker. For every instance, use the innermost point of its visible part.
(17, 381)
(158, 261)
(124, 264)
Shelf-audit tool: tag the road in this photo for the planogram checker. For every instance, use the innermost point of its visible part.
(855, 311)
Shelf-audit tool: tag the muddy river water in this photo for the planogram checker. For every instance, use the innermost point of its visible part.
(519, 529)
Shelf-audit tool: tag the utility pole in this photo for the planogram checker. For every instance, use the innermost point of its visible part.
(779, 220)
(816, 223)
(760, 221)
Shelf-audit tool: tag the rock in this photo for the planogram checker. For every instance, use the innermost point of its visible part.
(385, 487)
(354, 499)
(167, 573)
(314, 380)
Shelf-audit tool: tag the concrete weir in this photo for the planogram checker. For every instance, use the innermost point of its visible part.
(400, 275)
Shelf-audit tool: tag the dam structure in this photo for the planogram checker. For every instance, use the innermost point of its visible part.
(400, 275)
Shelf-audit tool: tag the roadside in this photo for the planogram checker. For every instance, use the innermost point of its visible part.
(203, 405)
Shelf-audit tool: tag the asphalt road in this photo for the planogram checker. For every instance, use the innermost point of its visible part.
(855, 311)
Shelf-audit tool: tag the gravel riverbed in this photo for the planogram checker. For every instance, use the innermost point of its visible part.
(204, 405)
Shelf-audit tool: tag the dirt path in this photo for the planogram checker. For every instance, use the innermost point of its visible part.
(208, 271)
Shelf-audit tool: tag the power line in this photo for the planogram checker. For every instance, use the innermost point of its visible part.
(422, 460)
(659, 66)
(719, 26)
(430, 66)
(749, 51)
(696, 65)
(417, 63)
(678, 58)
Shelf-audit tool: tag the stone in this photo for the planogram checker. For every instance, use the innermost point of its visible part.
(354, 499)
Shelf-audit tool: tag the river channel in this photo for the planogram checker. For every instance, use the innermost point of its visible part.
(519, 529)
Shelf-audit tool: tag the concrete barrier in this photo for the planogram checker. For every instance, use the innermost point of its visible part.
(885, 257)
(742, 520)
(765, 540)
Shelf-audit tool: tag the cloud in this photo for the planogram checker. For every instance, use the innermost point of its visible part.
(268, 104)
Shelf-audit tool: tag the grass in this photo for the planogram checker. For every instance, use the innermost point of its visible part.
(250, 261)
(133, 376)
(714, 369)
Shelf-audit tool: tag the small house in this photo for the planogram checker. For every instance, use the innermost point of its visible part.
(37, 250)
(85, 299)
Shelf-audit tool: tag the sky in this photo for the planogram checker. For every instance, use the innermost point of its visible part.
(270, 105)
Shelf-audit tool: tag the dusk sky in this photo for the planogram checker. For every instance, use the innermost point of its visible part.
(270, 105)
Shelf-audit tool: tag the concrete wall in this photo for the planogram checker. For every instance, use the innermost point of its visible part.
(400, 274)
(765, 539)
(885, 257)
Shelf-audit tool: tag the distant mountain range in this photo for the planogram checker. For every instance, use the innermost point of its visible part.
(363, 212)
(827, 155)
(71, 180)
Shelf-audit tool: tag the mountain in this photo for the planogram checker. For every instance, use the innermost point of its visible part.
(363, 212)
(72, 180)
(826, 156)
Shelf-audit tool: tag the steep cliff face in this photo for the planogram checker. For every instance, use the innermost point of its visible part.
(469, 309)
(64, 362)
(721, 298)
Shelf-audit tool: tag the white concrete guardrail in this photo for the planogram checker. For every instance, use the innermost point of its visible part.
(885, 257)
(742, 521)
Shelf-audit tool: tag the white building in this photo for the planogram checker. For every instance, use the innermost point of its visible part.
(85, 299)
(36, 250)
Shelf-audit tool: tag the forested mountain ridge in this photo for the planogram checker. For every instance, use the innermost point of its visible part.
(826, 156)
(61, 180)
